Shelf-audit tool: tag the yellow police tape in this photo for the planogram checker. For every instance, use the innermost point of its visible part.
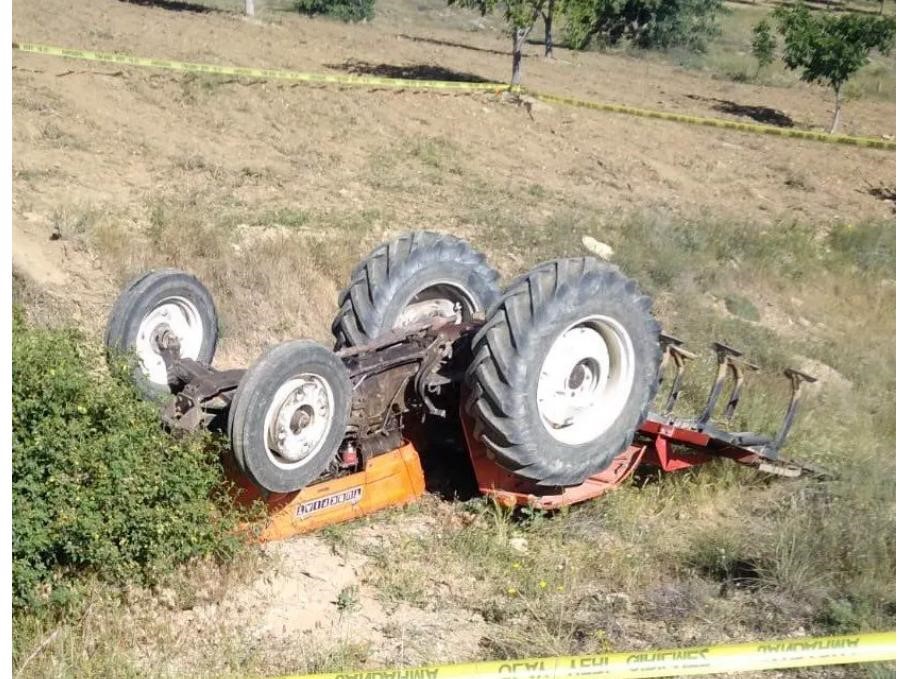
(266, 73)
(763, 655)
(868, 142)
(374, 81)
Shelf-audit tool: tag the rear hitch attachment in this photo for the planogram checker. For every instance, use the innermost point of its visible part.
(796, 379)
(729, 362)
(673, 353)
(701, 435)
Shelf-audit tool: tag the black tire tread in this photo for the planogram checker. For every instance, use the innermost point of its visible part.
(363, 302)
(521, 308)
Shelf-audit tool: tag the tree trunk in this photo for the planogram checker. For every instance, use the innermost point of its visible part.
(548, 30)
(838, 109)
(248, 7)
(882, 6)
(519, 37)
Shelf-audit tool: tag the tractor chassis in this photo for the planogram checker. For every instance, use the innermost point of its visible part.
(418, 372)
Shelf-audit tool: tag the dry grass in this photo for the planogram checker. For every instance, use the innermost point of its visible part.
(274, 224)
(274, 273)
(108, 640)
(139, 633)
(716, 554)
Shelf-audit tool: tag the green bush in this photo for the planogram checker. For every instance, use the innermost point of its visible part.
(647, 24)
(345, 10)
(99, 488)
(763, 46)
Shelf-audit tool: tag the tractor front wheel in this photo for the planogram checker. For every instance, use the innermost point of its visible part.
(289, 415)
(162, 307)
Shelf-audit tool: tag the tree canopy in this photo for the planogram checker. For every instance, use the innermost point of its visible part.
(829, 48)
(763, 45)
(643, 23)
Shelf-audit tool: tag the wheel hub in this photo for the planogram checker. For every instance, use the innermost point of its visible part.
(439, 300)
(174, 324)
(298, 420)
(420, 312)
(585, 380)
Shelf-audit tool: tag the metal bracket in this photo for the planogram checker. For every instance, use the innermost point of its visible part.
(674, 353)
(796, 379)
(729, 361)
(200, 393)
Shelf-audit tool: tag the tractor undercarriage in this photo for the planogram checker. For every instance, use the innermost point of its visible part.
(548, 385)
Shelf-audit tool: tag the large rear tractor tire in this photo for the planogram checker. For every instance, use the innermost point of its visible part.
(289, 415)
(164, 301)
(414, 278)
(563, 371)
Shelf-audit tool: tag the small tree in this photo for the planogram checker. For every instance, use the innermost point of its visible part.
(830, 48)
(548, 16)
(644, 23)
(521, 16)
(764, 45)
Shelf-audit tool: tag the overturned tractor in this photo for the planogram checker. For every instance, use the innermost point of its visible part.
(547, 383)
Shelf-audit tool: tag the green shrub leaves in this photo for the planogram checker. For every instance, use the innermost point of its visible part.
(344, 10)
(98, 487)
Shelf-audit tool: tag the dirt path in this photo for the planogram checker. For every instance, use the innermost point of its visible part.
(310, 596)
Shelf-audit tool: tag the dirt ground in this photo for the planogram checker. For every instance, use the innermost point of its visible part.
(308, 595)
(89, 136)
(100, 151)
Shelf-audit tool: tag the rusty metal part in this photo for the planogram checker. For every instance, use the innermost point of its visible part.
(675, 354)
(201, 394)
(381, 443)
(383, 371)
(796, 379)
(427, 381)
(728, 362)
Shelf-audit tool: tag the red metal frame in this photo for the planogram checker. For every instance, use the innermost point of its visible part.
(396, 478)
(510, 490)
(698, 440)
(654, 445)
(669, 460)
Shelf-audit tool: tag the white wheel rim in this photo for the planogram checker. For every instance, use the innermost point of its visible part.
(298, 421)
(440, 300)
(180, 317)
(585, 380)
